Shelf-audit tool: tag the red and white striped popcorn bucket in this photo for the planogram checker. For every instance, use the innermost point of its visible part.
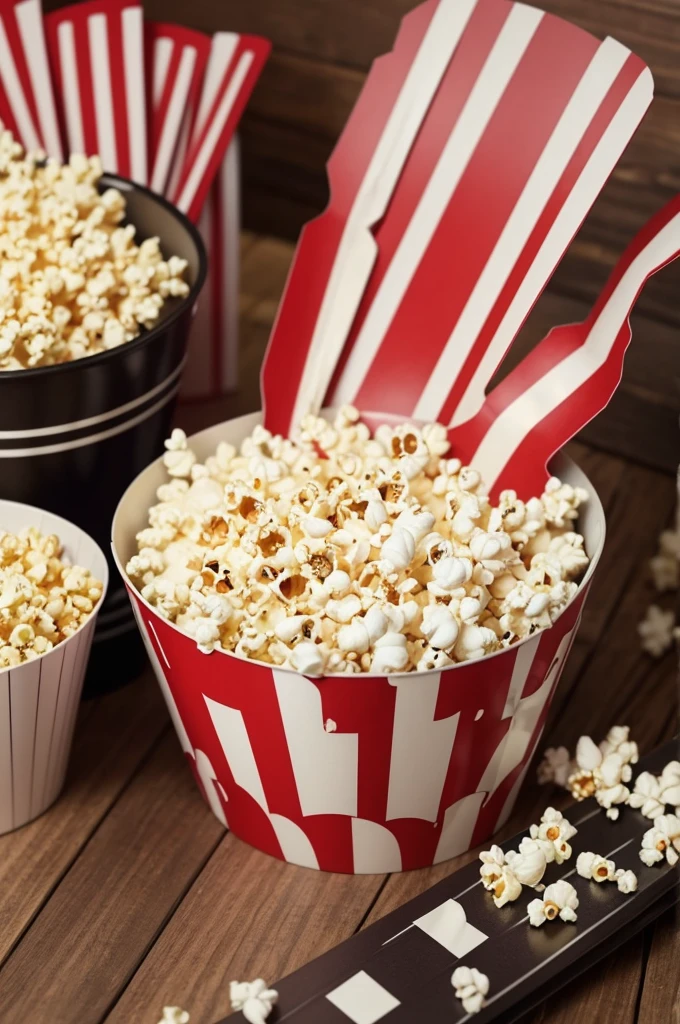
(39, 699)
(419, 767)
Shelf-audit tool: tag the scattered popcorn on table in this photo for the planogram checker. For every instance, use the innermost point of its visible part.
(646, 795)
(656, 631)
(596, 868)
(556, 767)
(626, 881)
(471, 987)
(528, 864)
(603, 771)
(669, 786)
(174, 1015)
(662, 841)
(72, 280)
(553, 835)
(559, 900)
(253, 999)
(665, 565)
(43, 600)
(385, 556)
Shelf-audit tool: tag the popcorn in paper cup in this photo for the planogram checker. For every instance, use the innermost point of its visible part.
(53, 578)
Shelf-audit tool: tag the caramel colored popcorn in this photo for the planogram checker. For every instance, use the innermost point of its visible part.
(341, 552)
(72, 280)
(43, 600)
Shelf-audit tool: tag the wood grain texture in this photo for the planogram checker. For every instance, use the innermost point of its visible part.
(246, 914)
(109, 746)
(660, 997)
(115, 899)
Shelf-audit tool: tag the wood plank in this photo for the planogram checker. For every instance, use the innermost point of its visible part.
(248, 915)
(661, 991)
(107, 910)
(354, 32)
(109, 745)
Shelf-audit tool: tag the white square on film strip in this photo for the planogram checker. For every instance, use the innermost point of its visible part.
(362, 999)
(448, 925)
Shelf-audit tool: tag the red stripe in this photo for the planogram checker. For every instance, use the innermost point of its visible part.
(469, 229)
(16, 46)
(610, 105)
(299, 309)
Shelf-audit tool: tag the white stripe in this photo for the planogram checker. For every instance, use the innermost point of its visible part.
(222, 50)
(51, 449)
(90, 421)
(15, 93)
(101, 82)
(69, 74)
(30, 21)
(229, 183)
(162, 54)
(583, 195)
(175, 113)
(499, 67)
(135, 91)
(563, 380)
(207, 149)
(549, 168)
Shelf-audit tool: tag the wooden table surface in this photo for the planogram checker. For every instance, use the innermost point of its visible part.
(128, 895)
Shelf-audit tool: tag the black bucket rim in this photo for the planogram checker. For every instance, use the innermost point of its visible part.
(147, 337)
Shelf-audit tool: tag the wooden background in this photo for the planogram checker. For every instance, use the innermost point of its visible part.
(321, 52)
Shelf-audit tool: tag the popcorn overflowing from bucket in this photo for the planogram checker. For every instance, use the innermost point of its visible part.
(342, 552)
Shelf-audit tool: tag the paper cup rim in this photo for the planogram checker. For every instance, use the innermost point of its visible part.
(146, 337)
(4, 503)
(593, 497)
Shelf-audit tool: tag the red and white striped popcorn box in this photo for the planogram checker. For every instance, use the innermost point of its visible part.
(39, 700)
(419, 767)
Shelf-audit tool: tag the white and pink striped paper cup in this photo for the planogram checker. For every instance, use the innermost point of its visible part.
(39, 700)
(420, 766)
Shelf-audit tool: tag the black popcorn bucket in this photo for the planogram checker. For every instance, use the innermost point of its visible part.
(73, 436)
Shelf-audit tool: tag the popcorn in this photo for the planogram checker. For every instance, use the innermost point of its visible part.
(556, 767)
(471, 988)
(552, 836)
(174, 1015)
(662, 841)
(669, 786)
(253, 999)
(559, 900)
(43, 599)
(603, 771)
(595, 867)
(626, 881)
(529, 864)
(338, 552)
(646, 796)
(665, 565)
(656, 631)
(73, 283)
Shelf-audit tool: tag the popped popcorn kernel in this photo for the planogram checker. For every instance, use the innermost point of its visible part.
(342, 552)
(559, 900)
(471, 987)
(72, 282)
(43, 599)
